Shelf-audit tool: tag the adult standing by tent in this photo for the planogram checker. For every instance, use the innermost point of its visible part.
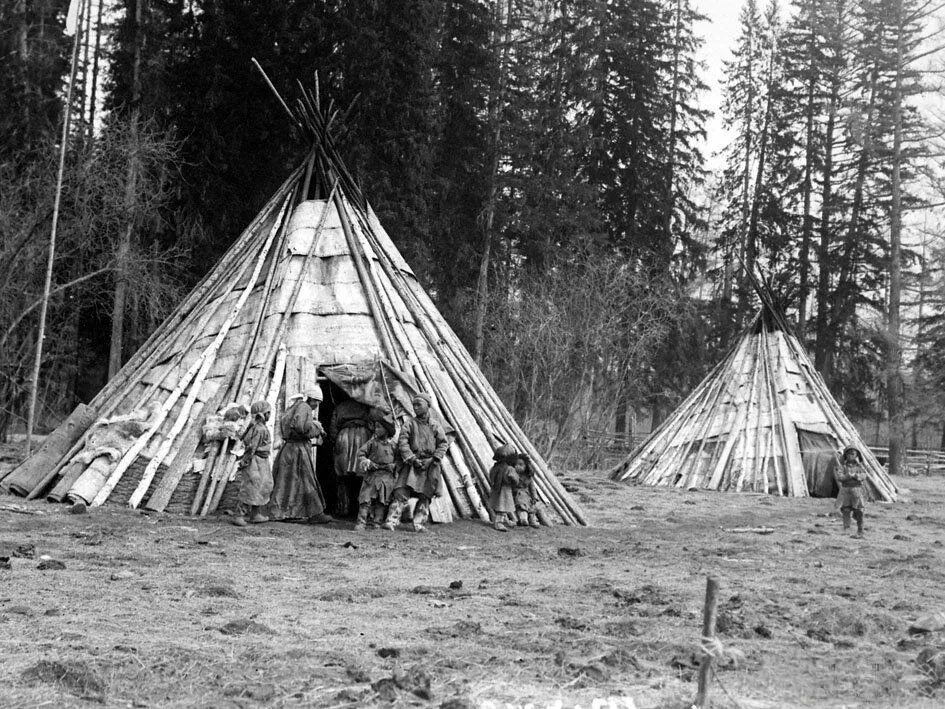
(296, 494)
(422, 445)
(350, 428)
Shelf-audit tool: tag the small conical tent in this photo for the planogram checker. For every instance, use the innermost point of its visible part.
(763, 420)
(314, 288)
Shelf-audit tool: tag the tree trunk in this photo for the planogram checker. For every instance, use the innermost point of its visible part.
(843, 303)
(825, 343)
(669, 195)
(894, 386)
(122, 257)
(495, 111)
(752, 248)
(746, 181)
(95, 69)
(86, 23)
(807, 185)
(22, 50)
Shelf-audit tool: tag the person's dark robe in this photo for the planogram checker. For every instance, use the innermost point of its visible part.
(296, 493)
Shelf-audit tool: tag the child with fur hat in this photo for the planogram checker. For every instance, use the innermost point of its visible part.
(503, 477)
(525, 493)
(375, 461)
(254, 471)
(850, 475)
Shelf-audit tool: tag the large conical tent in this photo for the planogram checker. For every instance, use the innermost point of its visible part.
(763, 421)
(313, 288)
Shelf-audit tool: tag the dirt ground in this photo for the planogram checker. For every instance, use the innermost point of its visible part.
(163, 610)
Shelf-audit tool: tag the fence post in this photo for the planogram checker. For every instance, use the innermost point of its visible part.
(708, 633)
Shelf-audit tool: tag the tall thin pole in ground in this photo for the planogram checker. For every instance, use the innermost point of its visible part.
(37, 362)
(708, 634)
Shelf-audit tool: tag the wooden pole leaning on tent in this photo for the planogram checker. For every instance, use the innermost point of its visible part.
(699, 424)
(463, 508)
(492, 407)
(715, 392)
(209, 358)
(198, 370)
(384, 320)
(627, 468)
(467, 460)
(472, 402)
(217, 483)
(481, 466)
(162, 494)
(429, 330)
(108, 399)
(357, 255)
(460, 446)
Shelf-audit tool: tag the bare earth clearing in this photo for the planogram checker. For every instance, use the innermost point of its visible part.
(161, 610)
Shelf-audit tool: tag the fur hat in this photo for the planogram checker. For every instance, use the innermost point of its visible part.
(422, 396)
(260, 408)
(859, 456)
(504, 452)
(234, 412)
(388, 423)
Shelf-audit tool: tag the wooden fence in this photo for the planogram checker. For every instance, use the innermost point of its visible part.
(918, 462)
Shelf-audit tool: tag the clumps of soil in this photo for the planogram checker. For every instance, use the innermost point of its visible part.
(583, 671)
(415, 680)
(244, 626)
(848, 620)
(25, 551)
(569, 623)
(461, 629)
(356, 595)
(219, 591)
(75, 677)
(92, 536)
(356, 673)
(931, 662)
(623, 629)
(570, 552)
(647, 594)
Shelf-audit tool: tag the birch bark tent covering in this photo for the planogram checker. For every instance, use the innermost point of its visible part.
(762, 421)
(313, 282)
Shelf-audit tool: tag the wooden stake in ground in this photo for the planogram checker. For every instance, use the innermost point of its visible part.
(708, 635)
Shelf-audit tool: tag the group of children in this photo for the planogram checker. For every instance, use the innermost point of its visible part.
(513, 498)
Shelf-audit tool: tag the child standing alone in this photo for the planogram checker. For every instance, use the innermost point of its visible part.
(255, 473)
(850, 475)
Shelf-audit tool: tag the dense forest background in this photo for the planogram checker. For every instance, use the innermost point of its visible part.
(541, 164)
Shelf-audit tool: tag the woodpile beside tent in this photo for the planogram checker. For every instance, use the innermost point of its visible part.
(762, 421)
(314, 289)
